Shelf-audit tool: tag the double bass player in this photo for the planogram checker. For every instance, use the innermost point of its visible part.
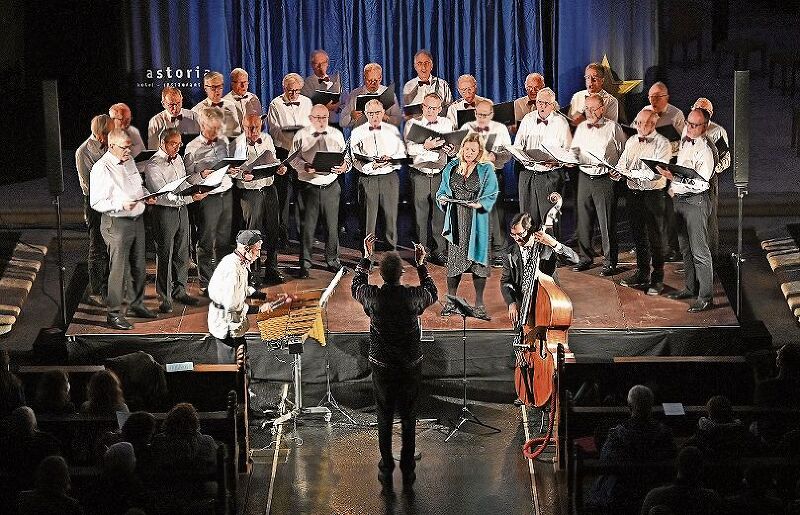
(518, 260)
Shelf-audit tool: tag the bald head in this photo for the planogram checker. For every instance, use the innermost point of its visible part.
(658, 95)
(319, 117)
(534, 82)
(645, 121)
(121, 114)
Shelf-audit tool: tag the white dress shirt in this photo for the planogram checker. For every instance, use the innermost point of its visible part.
(86, 156)
(161, 170)
(605, 141)
(460, 105)
(655, 146)
(369, 142)
(501, 138)
(201, 155)
(414, 92)
(715, 132)
(427, 161)
(228, 288)
(230, 122)
(186, 122)
(393, 113)
(280, 116)
(137, 145)
(578, 104)
(114, 183)
(332, 83)
(553, 131)
(309, 145)
(245, 150)
(697, 155)
(245, 104)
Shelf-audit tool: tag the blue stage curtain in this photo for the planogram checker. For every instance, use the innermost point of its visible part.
(498, 41)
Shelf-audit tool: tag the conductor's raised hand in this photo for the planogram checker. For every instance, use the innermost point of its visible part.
(369, 245)
(543, 237)
(420, 254)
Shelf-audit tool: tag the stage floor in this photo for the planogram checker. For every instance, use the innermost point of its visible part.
(600, 304)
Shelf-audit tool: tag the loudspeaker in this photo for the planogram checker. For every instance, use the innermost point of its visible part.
(741, 128)
(52, 137)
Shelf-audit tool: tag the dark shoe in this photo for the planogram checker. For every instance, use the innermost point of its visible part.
(518, 402)
(448, 309)
(408, 480)
(437, 258)
(701, 305)
(303, 273)
(608, 271)
(582, 266)
(142, 312)
(187, 300)
(655, 289)
(497, 262)
(634, 280)
(94, 300)
(480, 312)
(333, 267)
(681, 295)
(118, 321)
(273, 276)
(258, 295)
(165, 307)
(680, 270)
(673, 256)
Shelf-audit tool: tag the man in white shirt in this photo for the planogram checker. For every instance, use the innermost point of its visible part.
(319, 191)
(428, 160)
(322, 81)
(468, 89)
(416, 89)
(537, 182)
(645, 201)
(287, 114)
(88, 153)
(378, 183)
(116, 186)
(494, 138)
(213, 86)
(173, 116)
(121, 115)
(214, 214)
(692, 210)
(373, 75)
(595, 76)
(245, 101)
(169, 219)
(596, 198)
(258, 198)
(527, 104)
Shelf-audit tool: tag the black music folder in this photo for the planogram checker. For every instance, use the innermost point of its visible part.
(145, 155)
(629, 130)
(323, 97)
(291, 128)
(265, 171)
(413, 109)
(464, 116)
(324, 161)
(418, 134)
(504, 113)
(228, 161)
(186, 139)
(682, 172)
(196, 188)
(264, 158)
(669, 132)
(386, 98)
(722, 146)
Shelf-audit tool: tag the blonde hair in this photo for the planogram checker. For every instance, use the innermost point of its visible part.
(208, 114)
(292, 77)
(373, 66)
(472, 137)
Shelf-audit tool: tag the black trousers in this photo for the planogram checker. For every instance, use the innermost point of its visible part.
(380, 191)
(670, 232)
(691, 215)
(396, 389)
(424, 188)
(497, 217)
(260, 212)
(97, 259)
(284, 186)
(320, 201)
(596, 199)
(646, 215)
(534, 190)
(171, 232)
(124, 239)
(214, 233)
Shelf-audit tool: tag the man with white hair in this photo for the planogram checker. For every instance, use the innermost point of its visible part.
(373, 76)
(425, 82)
(116, 187)
(534, 82)
(88, 153)
(244, 101)
(173, 116)
(213, 86)
(594, 76)
(215, 212)
(120, 114)
(321, 80)
(468, 88)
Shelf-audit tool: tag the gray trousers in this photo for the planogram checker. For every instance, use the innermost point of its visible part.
(260, 212)
(596, 199)
(646, 215)
(691, 218)
(320, 201)
(380, 191)
(424, 189)
(534, 190)
(214, 233)
(713, 217)
(97, 259)
(124, 239)
(171, 231)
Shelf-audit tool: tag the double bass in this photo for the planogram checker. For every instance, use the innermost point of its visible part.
(544, 318)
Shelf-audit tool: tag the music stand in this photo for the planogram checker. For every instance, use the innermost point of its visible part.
(290, 325)
(465, 310)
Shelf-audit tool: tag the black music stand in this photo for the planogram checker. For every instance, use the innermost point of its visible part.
(465, 310)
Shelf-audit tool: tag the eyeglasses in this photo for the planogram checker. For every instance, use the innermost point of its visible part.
(431, 108)
(653, 97)
(320, 117)
(543, 103)
(593, 109)
(214, 87)
(121, 147)
(593, 78)
(520, 235)
(173, 104)
(293, 90)
(695, 125)
(373, 113)
(483, 115)
(178, 144)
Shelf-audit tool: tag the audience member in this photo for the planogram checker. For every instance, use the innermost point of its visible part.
(685, 495)
(118, 489)
(52, 394)
(755, 498)
(783, 389)
(138, 430)
(12, 394)
(181, 446)
(105, 395)
(639, 439)
(50, 495)
(23, 447)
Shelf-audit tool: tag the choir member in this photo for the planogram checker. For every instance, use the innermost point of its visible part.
(173, 116)
(121, 115)
(243, 100)
(527, 104)
(468, 89)
(594, 76)
(425, 82)
(213, 86)
(373, 75)
(321, 80)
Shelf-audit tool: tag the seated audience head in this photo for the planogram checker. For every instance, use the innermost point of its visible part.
(213, 86)
(423, 64)
(320, 62)
(52, 476)
(119, 460)
(374, 111)
(640, 401)
(391, 268)
(121, 115)
(534, 83)
(431, 106)
(22, 422)
(292, 85)
(484, 112)
(545, 102)
(594, 77)
(101, 126)
(119, 144)
(645, 122)
(373, 75)
(594, 108)
(319, 117)
(658, 95)
(719, 409)
(211, 122)
(182, 420)
(689, 465)
(172, 100)
(467, 87)
(52, 392)
(104, 393)
(788, 360)
(139, 428)
(240, 81)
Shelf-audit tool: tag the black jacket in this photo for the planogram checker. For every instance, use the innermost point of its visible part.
(511, 279)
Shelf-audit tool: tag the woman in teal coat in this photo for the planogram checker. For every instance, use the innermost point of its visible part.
(467, 195)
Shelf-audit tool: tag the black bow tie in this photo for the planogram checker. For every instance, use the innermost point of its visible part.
(318, 134)
(324, 79)
(217, 104)
(291, 104)
(243, 97)
(687, 139)
(253, 143)
(431, 123)
(469, 104)
(375, 128)
(594, 125)
(539, 120)
(481, 129)
(171, 159)
(426, 82)
(121, 163)
(211, 141)
(177, 118)
(644, 140)
(531, 103)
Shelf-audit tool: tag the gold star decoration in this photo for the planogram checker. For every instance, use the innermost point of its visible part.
(617, 86)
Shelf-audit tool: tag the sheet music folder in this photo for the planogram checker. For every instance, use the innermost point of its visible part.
(679, 171)
(324, 161)
(144, 155)
(324, 97)
(386, 98)
(418, 134)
